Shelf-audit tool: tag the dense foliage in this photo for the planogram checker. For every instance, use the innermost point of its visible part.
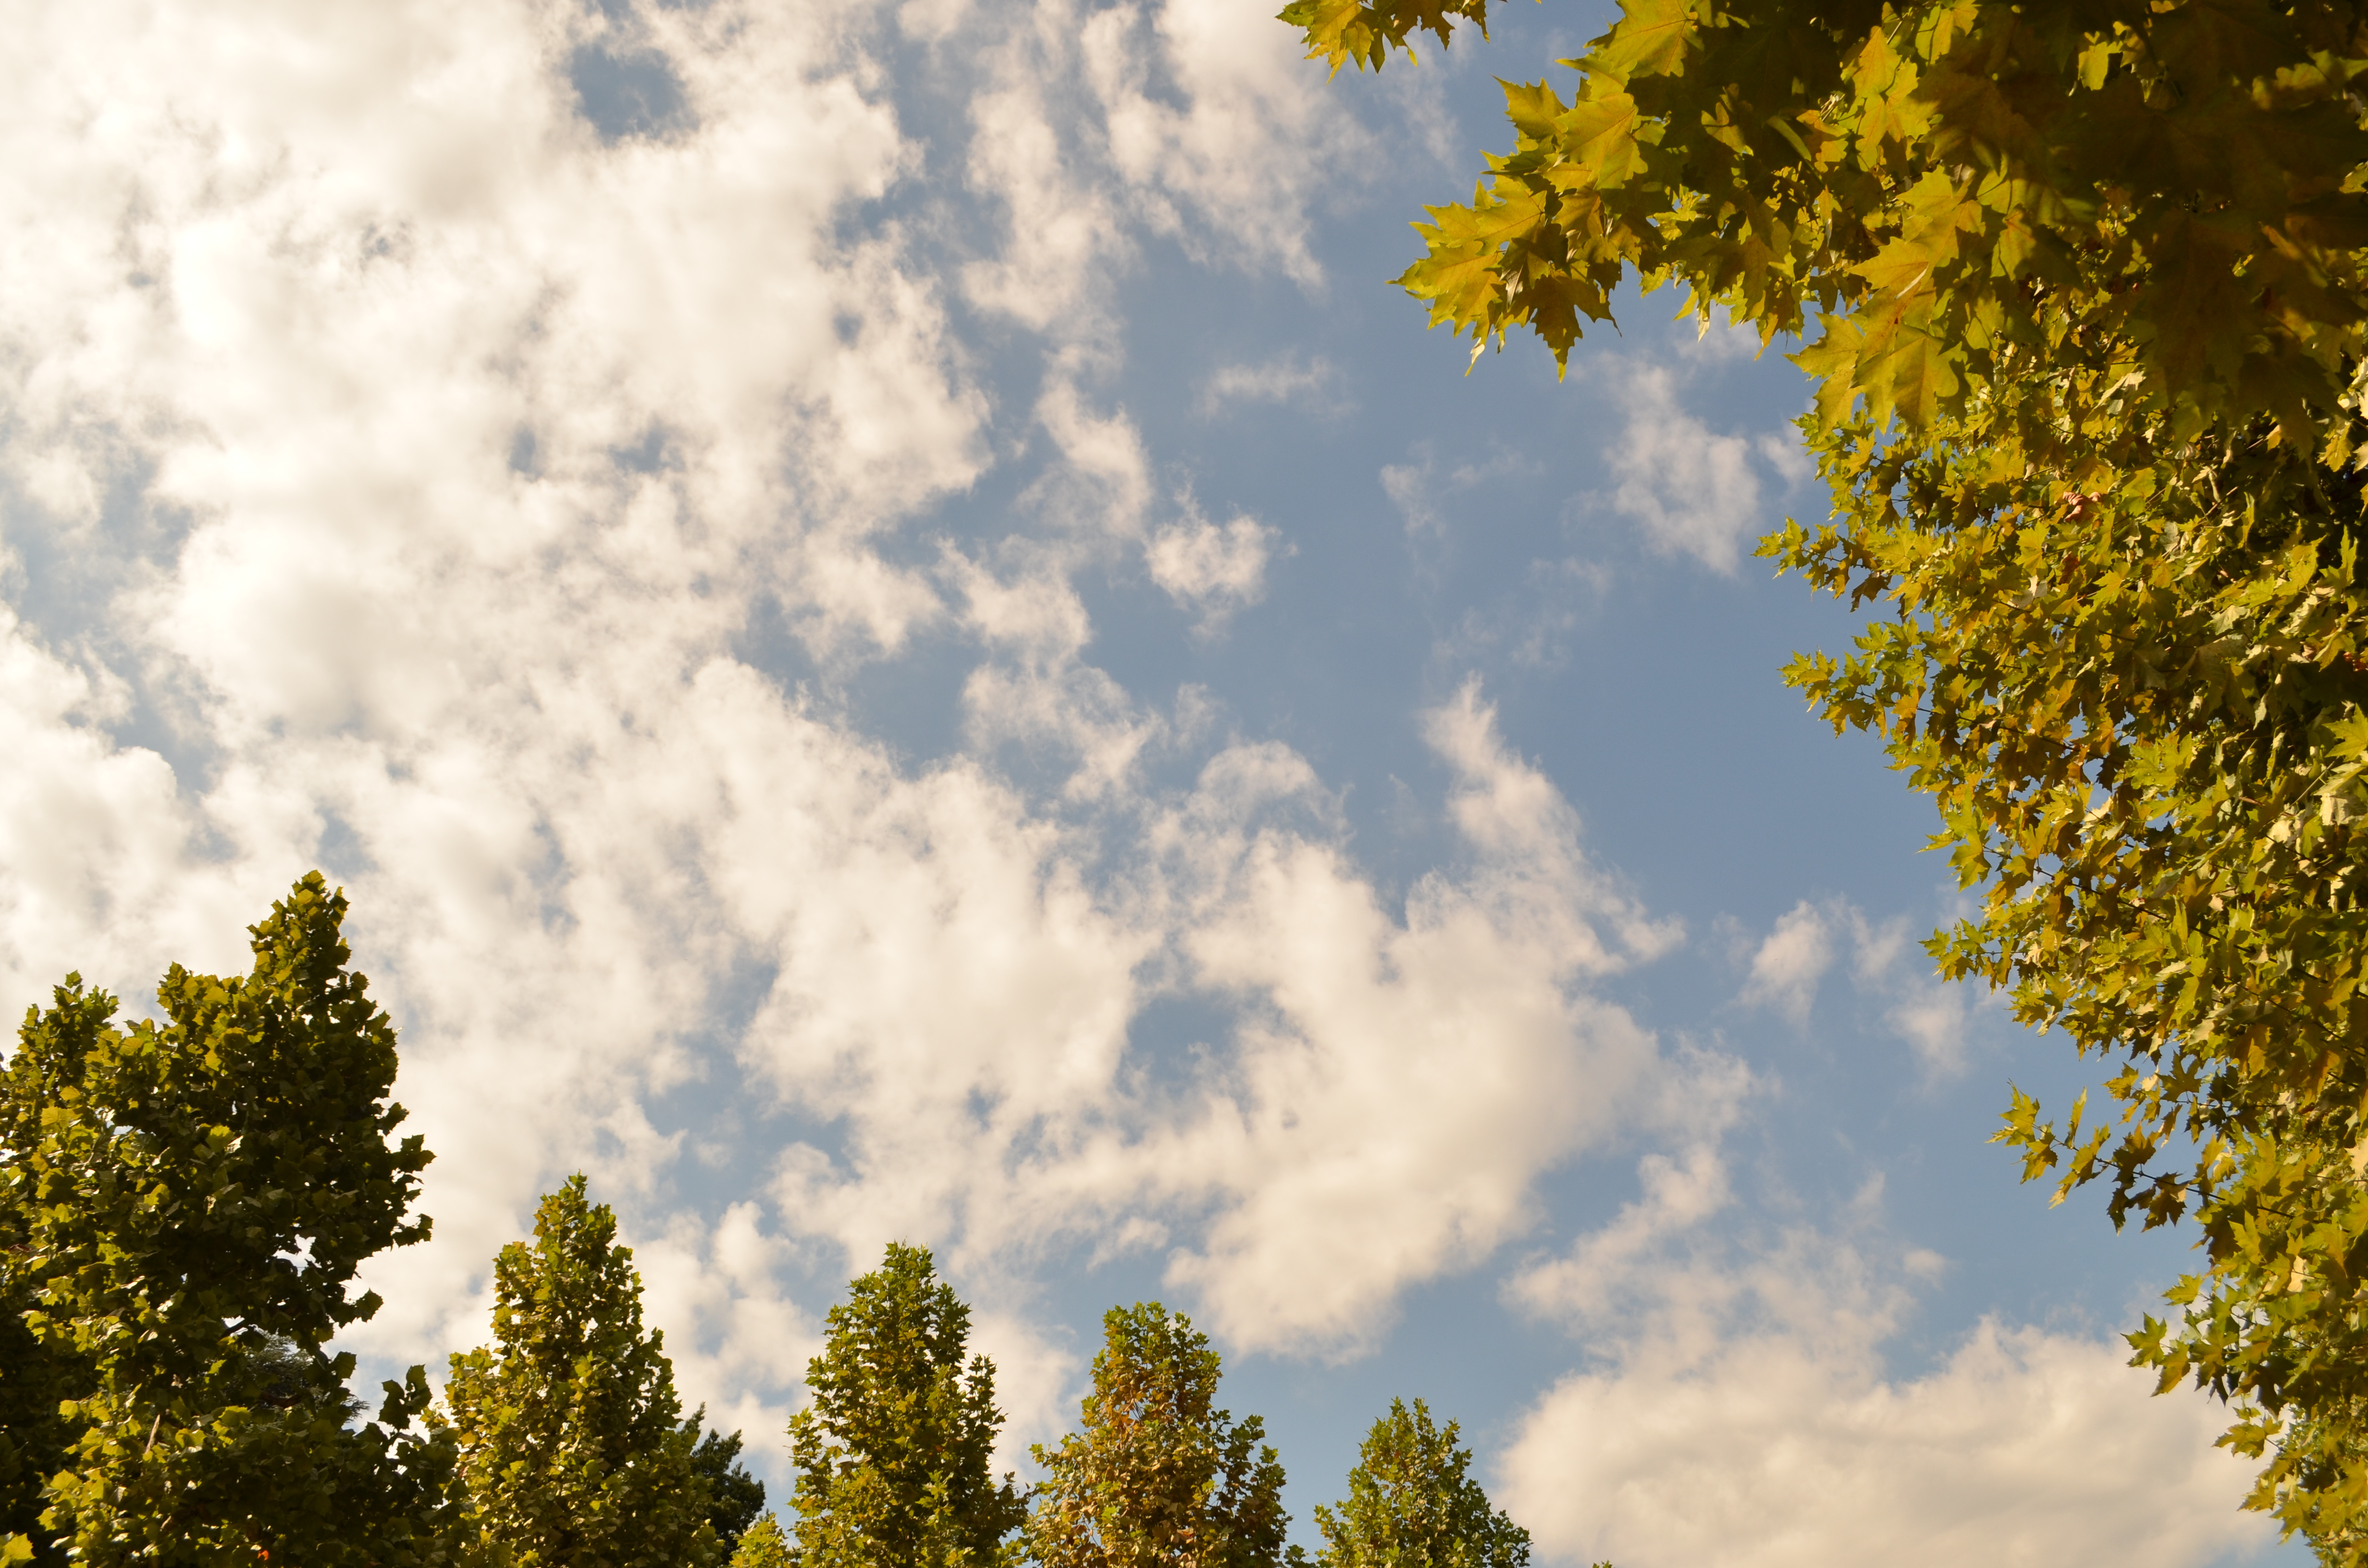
(1412, 1504)
(571, 1444)
(1158, 1477)
(892, 1455)
(764, 1545)
(735, 1497)
(2086, 282)
(183, 1205)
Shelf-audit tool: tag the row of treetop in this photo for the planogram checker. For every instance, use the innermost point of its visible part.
(183, 1204)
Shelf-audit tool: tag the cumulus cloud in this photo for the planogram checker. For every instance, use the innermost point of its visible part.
(1220, 156)
(1738, 1411)
(1693, 491)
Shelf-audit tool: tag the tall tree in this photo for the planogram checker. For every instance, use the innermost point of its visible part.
(573, 1445)
(1158, 1477)
(1412, 1504)
(183, 1205)
(2089, 283)
(735, 1497)
(892, 1456)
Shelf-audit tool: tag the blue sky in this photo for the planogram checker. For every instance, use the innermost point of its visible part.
(896, 636)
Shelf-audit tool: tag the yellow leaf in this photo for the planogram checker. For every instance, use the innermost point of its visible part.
(1599, 136)
(1649, 39)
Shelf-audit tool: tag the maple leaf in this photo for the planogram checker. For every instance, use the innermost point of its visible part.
(1649, 39)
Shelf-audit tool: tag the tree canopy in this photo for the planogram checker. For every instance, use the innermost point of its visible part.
(1411, 1503)
(891, 1457)
(572, 1447)
(2081, 287)
(183, 1207)
(1158, 1477)
(735, 1497)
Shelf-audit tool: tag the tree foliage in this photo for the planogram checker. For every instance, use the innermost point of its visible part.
(764, 1545)
(892, 1456)
(735, 1497)
(183, 1205)
(2082, 288)
(1158, 1477)
(571, 1441)
(1412, 1504)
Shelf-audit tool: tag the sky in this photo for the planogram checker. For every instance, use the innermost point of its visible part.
(896, 635)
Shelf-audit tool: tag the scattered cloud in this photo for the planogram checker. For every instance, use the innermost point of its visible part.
(1418, 489)
(1788, 966)
(1203, 161)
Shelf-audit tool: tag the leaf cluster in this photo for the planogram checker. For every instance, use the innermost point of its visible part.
(764, 1545)
(2134, 690)
(735, 1498)
(1947, 191)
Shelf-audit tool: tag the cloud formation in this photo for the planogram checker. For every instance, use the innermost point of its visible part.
(445, 426)
(1737, 1410)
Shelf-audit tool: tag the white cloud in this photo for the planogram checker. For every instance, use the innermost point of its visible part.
(462, 443)
(1415, 488)
(733, 1336)
(2021, 1446)
(1210, 568)
(1739, 1412)
(99, 864)
(1693, 491)
(1408, 488)
(1196, 119)
(1290, 379)
(1790, 962)
(997, 1107)
(1467, 1030)
(1253, 144)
